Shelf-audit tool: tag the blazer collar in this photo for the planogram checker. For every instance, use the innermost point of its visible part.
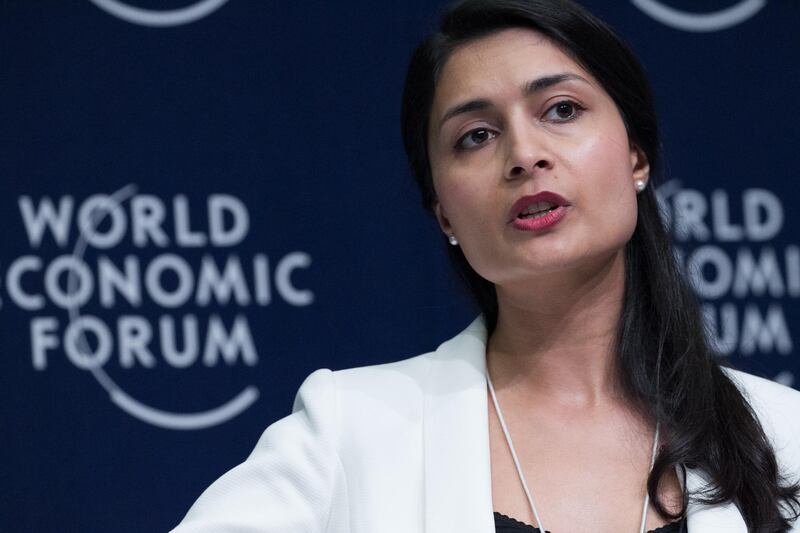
(458, 482)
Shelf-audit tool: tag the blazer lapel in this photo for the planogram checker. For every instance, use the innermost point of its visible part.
(458, 483)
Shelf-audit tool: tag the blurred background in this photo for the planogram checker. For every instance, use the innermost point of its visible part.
(203, 201)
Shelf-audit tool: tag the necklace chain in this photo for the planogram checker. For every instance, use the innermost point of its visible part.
(522, 476)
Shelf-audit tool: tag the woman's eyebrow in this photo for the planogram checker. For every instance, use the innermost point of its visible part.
(532, 87)
(466, 107)
(544, 82)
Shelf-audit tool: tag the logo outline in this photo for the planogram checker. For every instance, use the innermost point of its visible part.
(159, 18)
(700, 22)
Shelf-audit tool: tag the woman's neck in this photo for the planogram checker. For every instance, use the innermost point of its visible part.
(555, 335)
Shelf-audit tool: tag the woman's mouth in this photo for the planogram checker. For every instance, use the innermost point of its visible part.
(538, 212)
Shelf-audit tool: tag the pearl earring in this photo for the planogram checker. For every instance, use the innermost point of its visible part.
(639, 185)
(452, 239)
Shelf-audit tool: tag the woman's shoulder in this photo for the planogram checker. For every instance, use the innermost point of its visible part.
(778, 409)
(765, 393)
(411, 373)
(397, 386)
(409, 368)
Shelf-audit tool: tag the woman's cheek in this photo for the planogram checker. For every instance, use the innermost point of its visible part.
(466, 192)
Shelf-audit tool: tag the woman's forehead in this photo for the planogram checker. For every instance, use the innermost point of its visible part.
(511, 56)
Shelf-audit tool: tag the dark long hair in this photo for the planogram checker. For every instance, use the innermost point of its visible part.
(667, 367)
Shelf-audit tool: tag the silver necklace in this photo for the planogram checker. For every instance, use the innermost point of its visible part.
(522, 476)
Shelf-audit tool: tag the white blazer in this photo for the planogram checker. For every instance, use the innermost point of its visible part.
(404, 447)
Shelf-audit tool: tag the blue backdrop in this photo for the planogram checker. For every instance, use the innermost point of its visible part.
(205, 200)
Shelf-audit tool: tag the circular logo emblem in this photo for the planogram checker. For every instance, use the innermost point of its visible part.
(700, 22)
(159, 18)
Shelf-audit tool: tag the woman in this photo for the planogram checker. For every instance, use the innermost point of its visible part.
(585, 396)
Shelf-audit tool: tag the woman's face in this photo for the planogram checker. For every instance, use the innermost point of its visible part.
(513, 117)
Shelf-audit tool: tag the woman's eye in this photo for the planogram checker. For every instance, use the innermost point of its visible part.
(474, 138)
(564, 111)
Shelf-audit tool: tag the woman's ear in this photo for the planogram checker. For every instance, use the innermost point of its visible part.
(441, 217)
(639, 164)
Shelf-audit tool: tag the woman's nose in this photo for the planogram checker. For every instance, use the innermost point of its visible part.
(527, 151)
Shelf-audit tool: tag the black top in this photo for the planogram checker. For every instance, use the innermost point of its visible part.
(506, 524)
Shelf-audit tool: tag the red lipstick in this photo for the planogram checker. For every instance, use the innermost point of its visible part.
(538, 212)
